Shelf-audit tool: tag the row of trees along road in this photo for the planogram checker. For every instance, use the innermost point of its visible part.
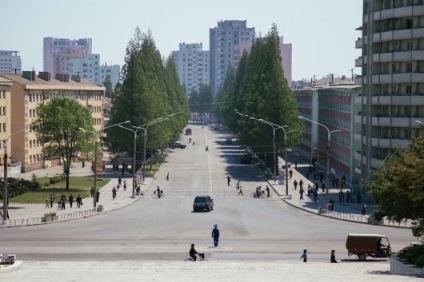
(150, 90)
(259, 89)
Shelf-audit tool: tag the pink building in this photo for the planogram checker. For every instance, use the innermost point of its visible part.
(285, 53)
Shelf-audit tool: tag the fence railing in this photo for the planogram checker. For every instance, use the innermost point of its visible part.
(42, 220)
(364, 218)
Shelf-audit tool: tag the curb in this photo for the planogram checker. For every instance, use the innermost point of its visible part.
(11, 267)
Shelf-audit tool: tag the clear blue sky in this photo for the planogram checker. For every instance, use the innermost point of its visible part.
(322, 31)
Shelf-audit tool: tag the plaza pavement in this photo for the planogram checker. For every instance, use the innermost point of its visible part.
(287, 270)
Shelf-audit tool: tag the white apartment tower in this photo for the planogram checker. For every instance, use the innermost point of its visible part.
(89, 67)
(57, 52)
(223, 42)
(10, 62)
(192, 64)
(392, 100)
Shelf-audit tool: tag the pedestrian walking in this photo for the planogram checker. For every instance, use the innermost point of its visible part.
(363, 209)
(79, 201)
(267, 191)
(240, 191)
(215, 235)
(301, 184)
(347, 196)
(167, 176)
(301, 193)
(295, 184)
(238, 184)
(119, 180)
(51, 200)
(97, 196)
(291, 173)
(304, 256)
(295, 164)
(228, 180)
(333, 256)
(92, 191)
(114, 193)
(323, 187)
(71, 200)
(125, 185)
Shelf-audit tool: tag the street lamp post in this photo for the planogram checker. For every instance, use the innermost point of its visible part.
(135, 130)
(275, 162)
(327, 149)
(5, 192)
(96, 140)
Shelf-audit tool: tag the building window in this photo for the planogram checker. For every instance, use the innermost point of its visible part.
(408, 67)
(408, 89)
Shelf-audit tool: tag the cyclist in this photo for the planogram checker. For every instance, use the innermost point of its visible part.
(193, 252)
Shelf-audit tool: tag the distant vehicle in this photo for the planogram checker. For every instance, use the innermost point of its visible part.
(371, 245)
(177, 145)
(188, 131)
(202, 203)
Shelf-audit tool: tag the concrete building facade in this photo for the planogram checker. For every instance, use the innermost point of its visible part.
(333, 107)
(192, 64)
(392, 98)
(89, 68)
(30, 90)
(223, 41)
(57, 52)
(10, 62)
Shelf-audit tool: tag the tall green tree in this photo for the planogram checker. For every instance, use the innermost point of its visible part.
(58, 130)
(397, 186)
(148, 92)
(261, 90)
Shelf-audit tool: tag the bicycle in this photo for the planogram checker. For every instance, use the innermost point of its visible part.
(155, 194)
(200, 258)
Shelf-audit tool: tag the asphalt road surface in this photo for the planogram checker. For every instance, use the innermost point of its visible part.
(163, 229)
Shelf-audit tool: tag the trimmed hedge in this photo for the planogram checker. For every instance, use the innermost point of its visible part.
(413, 255)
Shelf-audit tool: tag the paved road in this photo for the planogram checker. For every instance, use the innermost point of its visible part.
(157, 230)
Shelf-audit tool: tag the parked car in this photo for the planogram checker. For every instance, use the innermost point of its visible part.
(371, 245)
(202, 203)
(188, 131)
(177, 145)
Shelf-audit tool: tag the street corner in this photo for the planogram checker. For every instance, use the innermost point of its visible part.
(11, 267)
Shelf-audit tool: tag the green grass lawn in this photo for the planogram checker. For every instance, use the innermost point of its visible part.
(77, 185)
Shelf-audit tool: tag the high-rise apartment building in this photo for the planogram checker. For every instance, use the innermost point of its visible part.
(192, 64)
(223, 41)
(392, 80)
(89, 67)
(57, 52)
(10, 62)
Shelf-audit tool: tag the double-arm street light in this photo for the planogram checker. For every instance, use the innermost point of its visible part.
(135, 130)
(328, 149)
(143, 127)
(5, 192)
(96, 140)
(275, 162)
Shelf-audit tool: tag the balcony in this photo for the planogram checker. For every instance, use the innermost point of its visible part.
(398, 13)
(358, 43)
(404, 56)
(358, 62)
(376, 163)
(398, 78)
(405, 100)
(398, 34)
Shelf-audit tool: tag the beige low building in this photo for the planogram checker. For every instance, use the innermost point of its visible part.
(27, 92)
(5, 116)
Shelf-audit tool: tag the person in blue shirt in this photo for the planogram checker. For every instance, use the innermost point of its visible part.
(215, 235)
(304, 255)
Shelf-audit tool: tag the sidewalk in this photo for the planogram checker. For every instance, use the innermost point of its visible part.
(342, 210)
(29, 214)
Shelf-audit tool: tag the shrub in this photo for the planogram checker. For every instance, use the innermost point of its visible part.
(47, 214)
(18, 186)
(412, 254)
(420, 261)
